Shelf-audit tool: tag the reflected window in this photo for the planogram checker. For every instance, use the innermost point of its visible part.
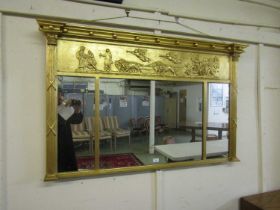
(218, 120)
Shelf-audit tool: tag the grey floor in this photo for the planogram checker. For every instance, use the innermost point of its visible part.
(139, 146)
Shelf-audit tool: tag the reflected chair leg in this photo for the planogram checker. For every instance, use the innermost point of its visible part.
(220, 134)
(90, 146)
(115, 139)
(129, 139)
(111, 144)
(193, 135)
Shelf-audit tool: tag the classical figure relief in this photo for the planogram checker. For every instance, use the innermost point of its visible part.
(141, 54)
(172, 56)
(91, 62)
(81, 56)
(108, 59)
(86, 60)
(128, 66)
(202, 67)
(161, 68)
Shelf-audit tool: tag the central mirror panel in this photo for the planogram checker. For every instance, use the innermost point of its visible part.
(124, 112)
(141, 121)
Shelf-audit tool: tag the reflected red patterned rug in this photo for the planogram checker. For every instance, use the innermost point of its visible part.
(110, 161)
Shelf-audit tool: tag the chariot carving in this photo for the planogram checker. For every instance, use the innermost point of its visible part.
(128, 66)
(161, 68)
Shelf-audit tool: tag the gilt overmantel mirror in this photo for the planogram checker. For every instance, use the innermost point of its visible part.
(124, 102)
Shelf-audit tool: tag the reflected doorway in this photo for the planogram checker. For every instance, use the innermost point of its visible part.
(170, 105)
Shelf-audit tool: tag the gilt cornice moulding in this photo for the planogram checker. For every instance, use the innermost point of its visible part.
(59, 29)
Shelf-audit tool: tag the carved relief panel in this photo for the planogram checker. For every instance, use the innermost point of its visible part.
(100, 58)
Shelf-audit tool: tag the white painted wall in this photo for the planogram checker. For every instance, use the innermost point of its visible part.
(228, 10)
(199, 188)
(2, 129)
(270, 115)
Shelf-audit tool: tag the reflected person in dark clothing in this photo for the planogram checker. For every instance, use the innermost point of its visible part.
(68, 113)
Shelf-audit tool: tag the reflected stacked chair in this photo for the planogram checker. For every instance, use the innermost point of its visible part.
(141, 123)
(159, 126)
(81, 134)
(104, 134)
(137, 127)
(111, 123)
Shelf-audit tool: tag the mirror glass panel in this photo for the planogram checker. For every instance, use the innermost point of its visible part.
(218, 120)
(124, 120)
(125, 135)
(178, 120)
(74, 106)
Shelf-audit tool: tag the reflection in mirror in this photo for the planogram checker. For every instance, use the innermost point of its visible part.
(74, 139)
(124, 123)
(178, 120)
(218, 120)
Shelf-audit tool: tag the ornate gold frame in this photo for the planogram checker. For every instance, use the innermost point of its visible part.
(135, 56)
